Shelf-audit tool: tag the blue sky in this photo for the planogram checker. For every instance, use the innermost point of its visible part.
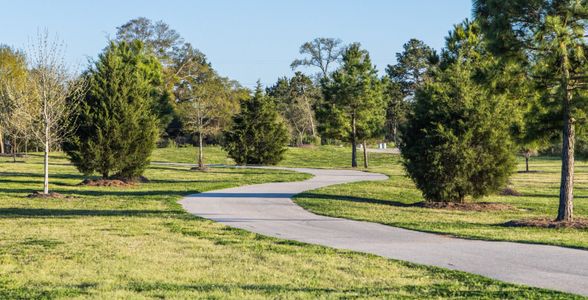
(244, 40)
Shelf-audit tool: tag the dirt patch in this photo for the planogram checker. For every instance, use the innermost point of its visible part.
(509, 192)
(51, 195)
(548, 223)
(114, 182)
(466, 206)
(202, 169)
(106, 182)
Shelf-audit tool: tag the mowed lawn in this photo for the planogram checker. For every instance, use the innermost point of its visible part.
(137, 242)
(390, 202)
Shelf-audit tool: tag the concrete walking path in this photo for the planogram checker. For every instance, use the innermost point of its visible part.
(267, 209)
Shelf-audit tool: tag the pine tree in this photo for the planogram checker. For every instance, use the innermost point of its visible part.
(117, 128)
(457, 141)
(550, 37)
(258, 135)
(354, 104)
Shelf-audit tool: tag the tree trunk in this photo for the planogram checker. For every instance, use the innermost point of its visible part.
(353, 142)
(14, 149)
(1, 142)
(200, 152)
(395, 134)
(527, 163)
(365, 155)
(566, 191)
(46, 163)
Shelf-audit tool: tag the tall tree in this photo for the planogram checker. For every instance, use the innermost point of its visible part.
(156, 36)
(403, 78)
(117, 127)
(353, 99)
(166, 44)
(205, 99)
(258, 134)
(54, 93)
(296, 99)
(550, 35)
(321, 53)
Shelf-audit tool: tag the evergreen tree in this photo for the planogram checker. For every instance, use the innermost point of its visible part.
(402, 79)
(549, 36)
(117, 128)
(258, 135)
(456, 142)
(353, 104)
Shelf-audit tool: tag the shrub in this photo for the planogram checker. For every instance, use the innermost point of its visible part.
(456, 141)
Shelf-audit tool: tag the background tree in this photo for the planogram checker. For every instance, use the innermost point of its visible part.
(353, 98)
(258, 134)
(117, 127)
(457, 140)
(403, 78)
(54, 93)
(205, 101)
(295, 99)
(166, 44)
(551, 36)
(14, 100)
(155, 36)
(321, 53)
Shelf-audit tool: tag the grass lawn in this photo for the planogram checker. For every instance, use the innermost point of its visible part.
(137, 242)
(389, 202)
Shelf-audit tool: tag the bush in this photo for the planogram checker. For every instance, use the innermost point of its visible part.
(258, 134)
(117, 129)
(456, 142)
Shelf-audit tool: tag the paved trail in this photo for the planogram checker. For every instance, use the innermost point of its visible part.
(267, 209)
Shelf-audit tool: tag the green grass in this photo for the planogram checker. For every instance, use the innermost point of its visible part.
(389, 202)
(138, 243)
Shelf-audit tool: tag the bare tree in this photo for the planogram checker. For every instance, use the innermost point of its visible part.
(54, 93)
(321, 53)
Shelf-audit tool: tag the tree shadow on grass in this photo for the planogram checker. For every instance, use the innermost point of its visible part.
(33, 182)
(105, 193)
(419, 291)
(355, 199)
(17, 212)
(40, 175)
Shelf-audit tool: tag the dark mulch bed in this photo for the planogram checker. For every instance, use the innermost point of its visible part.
(51, 195)
(466, 206)
(548, 223)
(114, 182)
(105, 182)
(509, 192)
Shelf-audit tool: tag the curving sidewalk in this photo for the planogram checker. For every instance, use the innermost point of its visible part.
(267, 209)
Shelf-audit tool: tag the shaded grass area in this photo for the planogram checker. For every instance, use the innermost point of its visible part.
(137, 242)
